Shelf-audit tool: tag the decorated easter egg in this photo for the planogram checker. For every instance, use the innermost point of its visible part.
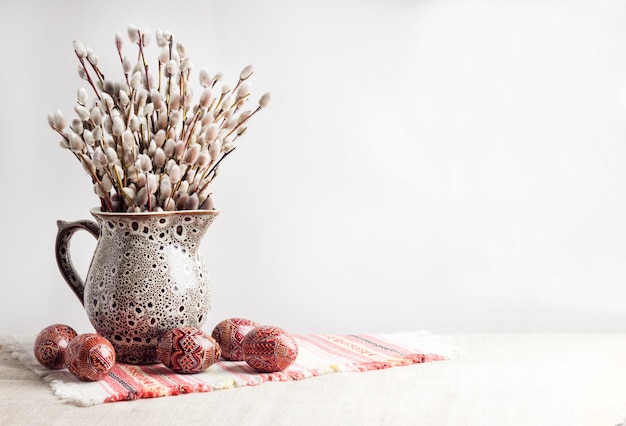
(187, 350)
(51, 345)
(269, 349)
(229, 334)
(90, 357)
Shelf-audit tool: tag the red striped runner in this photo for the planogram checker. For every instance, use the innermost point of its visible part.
(317, 354)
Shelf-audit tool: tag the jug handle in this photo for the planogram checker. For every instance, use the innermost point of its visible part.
(62, 250)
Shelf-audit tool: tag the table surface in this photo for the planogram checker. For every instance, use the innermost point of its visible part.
(498, 379)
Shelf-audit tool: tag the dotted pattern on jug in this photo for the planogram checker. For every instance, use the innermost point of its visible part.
(156, 281)
(187, 230)
(138, 317)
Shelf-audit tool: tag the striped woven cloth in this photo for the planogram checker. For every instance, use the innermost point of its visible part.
(317, 354)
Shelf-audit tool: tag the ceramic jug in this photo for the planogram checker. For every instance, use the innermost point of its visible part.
(146, 276)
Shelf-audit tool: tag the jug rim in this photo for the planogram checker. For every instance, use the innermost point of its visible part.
(96, 211)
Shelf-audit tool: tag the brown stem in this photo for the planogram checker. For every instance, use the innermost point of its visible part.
(182, 176)
(160, 72)
(183, 102)
(218, 105)
(131, 108)
(119, 53)
(143, 58)
(82, 63)
(242, 122)
(236, 86)
(98, 72)
(61, 133)
(148, 191)
(192, 125)
(168, 97)
(129, 201)
(94, 179)
(212, 169)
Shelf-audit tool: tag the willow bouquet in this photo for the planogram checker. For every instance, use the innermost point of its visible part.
(143, 142)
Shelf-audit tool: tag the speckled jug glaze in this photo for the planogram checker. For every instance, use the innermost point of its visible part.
(146, 276)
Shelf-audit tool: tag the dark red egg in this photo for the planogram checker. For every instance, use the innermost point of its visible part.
(51, 345)
(187, 350)
(230, 334)
(90, 357)
(269, 349)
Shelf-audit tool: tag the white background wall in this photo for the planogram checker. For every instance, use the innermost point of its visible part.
(453, 165)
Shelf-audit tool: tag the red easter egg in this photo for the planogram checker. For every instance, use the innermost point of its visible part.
(187, 350)
(51, 345)
(90, 357)
(269, 349)
(229, 334)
